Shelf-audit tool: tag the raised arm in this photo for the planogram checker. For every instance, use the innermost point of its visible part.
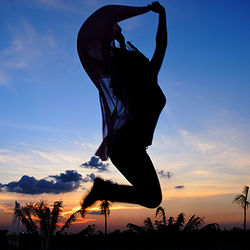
(161, 38)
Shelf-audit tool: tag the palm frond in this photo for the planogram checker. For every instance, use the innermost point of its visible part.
(135, 228)
(159, 225)
(240, 199)
(54, 216)
(70, 220)
(180, 221)
(193, 223)
(27, 210)
(148, 224)
(245, 191)
(30, 227)
(170, 221)
(105, 207)
(161, 212)
(213, 227)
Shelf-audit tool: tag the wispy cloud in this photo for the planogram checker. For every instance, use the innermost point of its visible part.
(220, 149)
(30, 126)
(38, 159)
(57, 4)
(91, 3)
(24, 50)
(213, 159)
(26, 46)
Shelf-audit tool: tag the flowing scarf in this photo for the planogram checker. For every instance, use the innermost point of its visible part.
(93, 44)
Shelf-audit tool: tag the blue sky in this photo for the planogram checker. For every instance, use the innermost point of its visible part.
(50, 118)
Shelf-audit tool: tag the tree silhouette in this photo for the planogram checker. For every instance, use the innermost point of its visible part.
(193, 223)
(24, 213)
(39, 218)
(105, 210)
(47, 219)
(71, 219)
(162, 224)
(241, 199)
(179, 223)
(212, 227)
(148, 225)
(171, 225)
(135, 228)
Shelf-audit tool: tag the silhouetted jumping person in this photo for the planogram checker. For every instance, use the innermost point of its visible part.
(131, 102)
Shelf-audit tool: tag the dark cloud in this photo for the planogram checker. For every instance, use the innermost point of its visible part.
(96, 163)
(62, 183)
(179, 187)
(165, 175)
(68, 176)
(89, 178)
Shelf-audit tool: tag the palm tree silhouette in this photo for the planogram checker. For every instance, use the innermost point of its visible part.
(71, 220)
(241, 199)
(179, 222)
(171, 225)
(105, 210)
(47, 219)
(39, 218)
(161, 213)
(194, 223)
(148, 225)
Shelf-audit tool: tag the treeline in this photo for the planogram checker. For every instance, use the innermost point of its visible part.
(41, 222)
(89, 239)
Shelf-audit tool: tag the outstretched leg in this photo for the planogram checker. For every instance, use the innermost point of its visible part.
(131, 159)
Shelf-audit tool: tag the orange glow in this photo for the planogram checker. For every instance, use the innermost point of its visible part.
(195, 194)
(96, 208)
(213, 203)
(78, 221)
(115, 208)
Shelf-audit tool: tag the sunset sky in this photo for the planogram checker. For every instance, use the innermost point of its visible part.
(50, 116)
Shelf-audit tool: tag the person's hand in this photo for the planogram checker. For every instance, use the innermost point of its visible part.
(156, 7)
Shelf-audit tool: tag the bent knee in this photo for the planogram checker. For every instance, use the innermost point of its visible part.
(153, 199)
(155, 202)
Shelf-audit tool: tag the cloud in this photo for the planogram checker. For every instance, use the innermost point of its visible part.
(26, 50)
(54, 3)
(62, 183)
(23, 49)
(164, 175)
(68, 176)
(179, 187)
(1, 187)
(89, 178)
(95, 163)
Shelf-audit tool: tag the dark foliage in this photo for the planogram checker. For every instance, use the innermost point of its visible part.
(198, 239)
